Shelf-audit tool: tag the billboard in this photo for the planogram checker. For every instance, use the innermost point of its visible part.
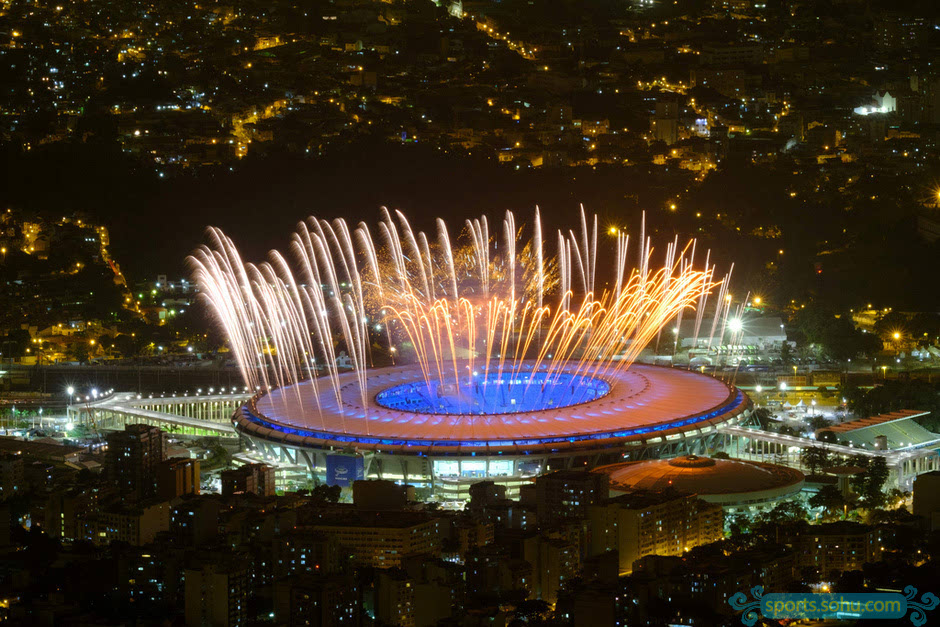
(342, 470)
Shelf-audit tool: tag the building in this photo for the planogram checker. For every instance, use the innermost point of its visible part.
(11, 475)
(135, 524)
(177, 477)
(216, 593)
(554, 561)
(567, 494)
(304, 550)
(836, 547)
(395, 598)
(670, 410)
(733, 55)
(927, 498)
(381, 494)
(484, 494)
(317, 601)
(493, 573)
(195, 522)
(897, 32)
(250, 478)
(665, 122)
(710, 579)
(739, 486)
(653, 523)
(382, 539)
(469, 533)
(133, 458)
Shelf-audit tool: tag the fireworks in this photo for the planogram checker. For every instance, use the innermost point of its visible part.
(481, 311)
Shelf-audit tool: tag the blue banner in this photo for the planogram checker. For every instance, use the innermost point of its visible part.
(342, 470)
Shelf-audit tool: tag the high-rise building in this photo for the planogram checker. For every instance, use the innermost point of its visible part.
(898, 32)
(927, 498)
(492, 572)
(839, 546)
(195, 522)
(250, 478)
(484, 494)
(382, 539)
(395, 598)
(567, 494)
(135, 524)
(216, 592)
(317, 601)
(11, 475)
(381, 494)
(177, 477)
(133, 457)
(665, 122)
(305, 551)
(653, 523)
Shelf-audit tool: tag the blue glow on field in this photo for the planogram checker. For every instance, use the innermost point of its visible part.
(494, 395)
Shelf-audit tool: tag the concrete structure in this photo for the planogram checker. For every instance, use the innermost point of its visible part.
(195, 522)
(216, 593)
(382, 539)
(838, 547)
(135, 524)
(567, 494)
(177, 477)
(133, 457)
(317, 601)
(740, 487)
(648, 411)
(743, 442)
(250, 478)
(653, 523)
(379, 494)
(927, 498)
(11, 475)
(197, 415)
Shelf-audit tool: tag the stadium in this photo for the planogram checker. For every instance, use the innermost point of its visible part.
(511, 361)
(446, 440)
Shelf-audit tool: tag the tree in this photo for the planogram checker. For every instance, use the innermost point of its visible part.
(720, 455)
(15, 343)
(327, 493)
(785, 512)
(78, 351)
(829, 498)
(871, 486)
(126, 345)
(739, 526)
(814, 458)
(785, 354)
(818, 422)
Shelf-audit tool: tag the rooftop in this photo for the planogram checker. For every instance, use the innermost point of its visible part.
(701, 475)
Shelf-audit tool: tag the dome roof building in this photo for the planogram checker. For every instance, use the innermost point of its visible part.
(739, 486)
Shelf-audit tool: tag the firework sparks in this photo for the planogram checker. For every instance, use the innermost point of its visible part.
(471, 316)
